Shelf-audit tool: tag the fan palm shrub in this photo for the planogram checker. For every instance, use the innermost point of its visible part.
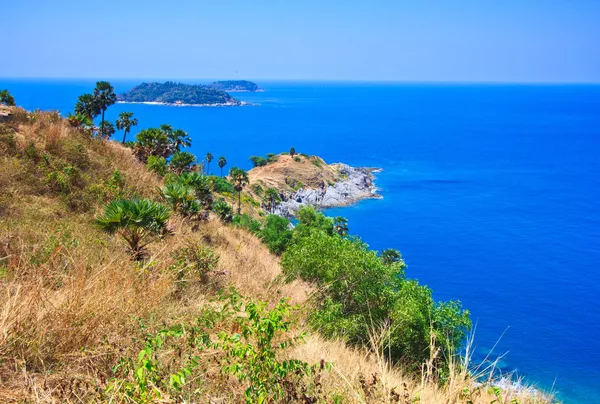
(139, 221)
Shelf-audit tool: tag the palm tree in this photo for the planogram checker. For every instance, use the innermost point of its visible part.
(222, 163)
(125, 122)
(271, 198)
(138, 221)
(87, 105)
(105, 96)
(178, 138)
(340, 225)
(107, 129)
(182, 161)
(200, 184)
(239, 178)
(391, 256)
(292, 152)
(181, 198)
(209, 158)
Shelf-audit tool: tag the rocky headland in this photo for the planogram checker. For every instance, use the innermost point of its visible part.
(308, 180)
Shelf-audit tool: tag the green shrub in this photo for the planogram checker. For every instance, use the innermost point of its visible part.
(258, 189)
(221, 185)
(297, 159)
(247, 222)
(181, 198)
(157, 164)
(182, 161)
(357, 290)
(276, 234)
(258, 161)
(139, 221)
(223, 210)
(253, 354)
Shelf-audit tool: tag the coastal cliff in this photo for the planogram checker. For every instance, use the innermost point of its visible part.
(309, 180)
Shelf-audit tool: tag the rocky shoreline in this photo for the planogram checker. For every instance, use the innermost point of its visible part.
(355, 184)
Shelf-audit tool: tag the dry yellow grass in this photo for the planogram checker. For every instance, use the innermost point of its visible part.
(311, 171)
(72, 301)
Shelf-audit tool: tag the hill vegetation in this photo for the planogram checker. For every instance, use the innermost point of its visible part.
(178, 94)
(126, 277)
(236, 86)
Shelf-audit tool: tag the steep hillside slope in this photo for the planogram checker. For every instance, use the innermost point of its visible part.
(80, 321)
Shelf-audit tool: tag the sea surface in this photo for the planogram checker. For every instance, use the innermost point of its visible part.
(491, 193)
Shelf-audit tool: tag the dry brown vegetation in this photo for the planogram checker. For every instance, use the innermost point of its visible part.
(283, 174)
(73, 302)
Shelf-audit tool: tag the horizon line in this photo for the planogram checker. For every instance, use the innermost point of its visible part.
(395, 81)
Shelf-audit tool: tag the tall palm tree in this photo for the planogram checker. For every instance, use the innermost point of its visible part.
(105, 96)
(209, 158)
(138, 221)
(271, 198)
(239, 178)
(87, 106)
(222, 163)
(125, 122)
(292, 152)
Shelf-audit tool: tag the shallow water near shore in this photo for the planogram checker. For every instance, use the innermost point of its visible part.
(490, 192)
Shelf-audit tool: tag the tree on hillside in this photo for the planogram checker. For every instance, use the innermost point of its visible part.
(239, 179)
(340, 225)
(209, 158)
(179, 139)
(105, 96)
(152, 141)
(6, 98)
(87, 106)
(182, 161)
(167, 129)
(107, 129)
(222, 163)
(292, 152)
(390, 256)
(138, 221)
(271, 198)
(125, 122)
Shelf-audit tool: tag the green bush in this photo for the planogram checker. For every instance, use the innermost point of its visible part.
(181, 198)
(139, 221)
(157, 164)
(247, 222)
(223, 210)
(297, 159)
(276, 234)
(221, 185)
(258, 189)
(258, 161)
(253, 354)
(359, 291)
(182, 161)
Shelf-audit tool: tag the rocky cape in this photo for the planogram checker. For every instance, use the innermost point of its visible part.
(308, 180)
(355, 184)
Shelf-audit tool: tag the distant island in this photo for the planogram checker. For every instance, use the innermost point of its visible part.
(237, 86)
(171, 93)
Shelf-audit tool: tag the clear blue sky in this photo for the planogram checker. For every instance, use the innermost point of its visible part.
(405, 40)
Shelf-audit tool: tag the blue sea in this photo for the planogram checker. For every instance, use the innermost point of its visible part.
(491, 193)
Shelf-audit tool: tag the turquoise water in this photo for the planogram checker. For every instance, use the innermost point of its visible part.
(490, 192)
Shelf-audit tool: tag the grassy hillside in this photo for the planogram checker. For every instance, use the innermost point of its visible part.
(81, 321)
